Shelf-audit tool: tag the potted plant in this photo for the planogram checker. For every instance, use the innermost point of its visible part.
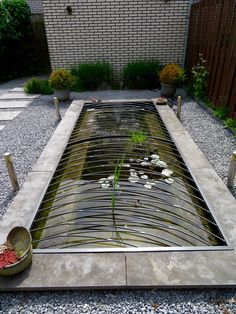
(61, 81)
(171, 76)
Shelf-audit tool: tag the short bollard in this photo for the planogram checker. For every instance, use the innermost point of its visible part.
(232, 170)
(56, 103)
(11, 171)
(179, 107)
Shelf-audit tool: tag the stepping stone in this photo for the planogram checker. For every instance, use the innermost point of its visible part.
(2, 127)
(8, 115)
(14, 104)
(17, 89)
(18, 96)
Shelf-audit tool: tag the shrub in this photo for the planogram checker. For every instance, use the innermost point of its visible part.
(61, 79)
(37, 86)
(221, 112)
(199, 75)
(91, 76)
(172, 74)
(141, 74)
(16, 57)
(230, 124)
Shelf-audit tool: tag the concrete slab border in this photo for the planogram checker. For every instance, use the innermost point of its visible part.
(127, 269)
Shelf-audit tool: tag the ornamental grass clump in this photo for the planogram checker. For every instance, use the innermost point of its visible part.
(172, 74)
(61, 79)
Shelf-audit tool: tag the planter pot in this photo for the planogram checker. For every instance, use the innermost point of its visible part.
(62, 94)
(168, 90)
(19, 238)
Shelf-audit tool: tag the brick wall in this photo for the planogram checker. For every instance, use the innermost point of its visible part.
(117, 31)
(36, 6)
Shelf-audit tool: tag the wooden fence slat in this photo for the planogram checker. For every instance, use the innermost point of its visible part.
(218, 48)
(218, 98)
(230, 64)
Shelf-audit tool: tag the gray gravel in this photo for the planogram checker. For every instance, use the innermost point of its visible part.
(26, 137)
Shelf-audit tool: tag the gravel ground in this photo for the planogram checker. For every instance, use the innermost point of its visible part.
(27, 135)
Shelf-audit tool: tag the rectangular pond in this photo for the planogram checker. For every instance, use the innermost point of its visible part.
(122, 184)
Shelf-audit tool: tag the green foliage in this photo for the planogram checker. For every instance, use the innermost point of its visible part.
(142, 74)
(37, 86)
(61, 79)
(137, 137)
(230, 124)
(91, 76)
(220, 112)
(116, 180)
(200, 74)
(15, 39)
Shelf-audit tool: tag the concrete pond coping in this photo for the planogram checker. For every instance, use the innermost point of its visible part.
(167, 268)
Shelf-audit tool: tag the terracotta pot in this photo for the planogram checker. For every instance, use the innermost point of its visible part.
(168, 90)
(62, 94)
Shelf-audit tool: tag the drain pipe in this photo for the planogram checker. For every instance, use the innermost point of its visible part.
(11, 171)
(179, 107)
(232, 170)
(56, 103)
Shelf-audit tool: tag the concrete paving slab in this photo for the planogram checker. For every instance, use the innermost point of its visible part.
(221, 203)
(181, 269)
(57, 144)
(17, 89)
(8, 115)
(98, 270)
(18, 95)
(14, 104)
(2, 127)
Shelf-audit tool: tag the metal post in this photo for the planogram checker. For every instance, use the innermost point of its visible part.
(11, 171)
(179, 106)
(232, 170)
(56, 103)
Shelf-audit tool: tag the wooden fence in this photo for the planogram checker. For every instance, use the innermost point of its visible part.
(212, 32)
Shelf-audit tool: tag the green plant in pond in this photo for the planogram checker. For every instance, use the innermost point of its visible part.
(199, 77)
(221, 112)
(91, 76)
(137, 136)
(115, 184)
(37, 86)
(142, 74)
(230, 124)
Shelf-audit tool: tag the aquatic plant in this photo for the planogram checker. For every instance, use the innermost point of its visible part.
(137, 136)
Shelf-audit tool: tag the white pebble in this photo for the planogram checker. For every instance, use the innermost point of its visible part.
(144, 163)
(144, 177)
(148, 186)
